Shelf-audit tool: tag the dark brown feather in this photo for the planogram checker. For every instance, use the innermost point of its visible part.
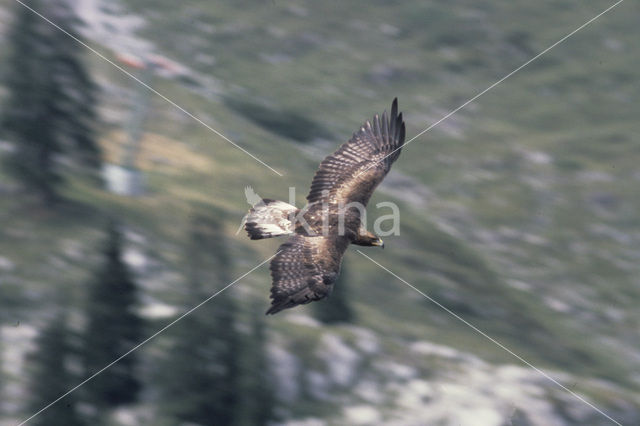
(305, 270)
(356, 168)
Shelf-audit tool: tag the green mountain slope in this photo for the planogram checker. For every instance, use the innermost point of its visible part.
(518, 213)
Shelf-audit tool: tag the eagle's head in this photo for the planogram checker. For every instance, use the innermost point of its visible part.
(366, 238)
(378, 242)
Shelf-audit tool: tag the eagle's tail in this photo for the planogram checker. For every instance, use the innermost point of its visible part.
(270, 218)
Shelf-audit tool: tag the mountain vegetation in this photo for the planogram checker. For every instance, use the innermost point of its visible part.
(518, 215)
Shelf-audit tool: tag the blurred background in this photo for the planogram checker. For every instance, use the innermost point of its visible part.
(119, 211)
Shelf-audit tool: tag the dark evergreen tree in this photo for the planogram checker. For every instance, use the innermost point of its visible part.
(113, 328)
(2, 396)
(207, 256)
(256, 395)
(50, 378)
(198, 376)
(336, 309)
(49, 111)
(263, 389)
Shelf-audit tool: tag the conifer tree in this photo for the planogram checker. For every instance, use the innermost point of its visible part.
(49, 111)
(113, 328)
(215, 369)
(199, 373)
(263, 390)
(256, 395)
(336, 309)
(50, 378)
(2, 396)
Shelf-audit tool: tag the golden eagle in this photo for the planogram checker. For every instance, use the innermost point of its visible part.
(308, 264)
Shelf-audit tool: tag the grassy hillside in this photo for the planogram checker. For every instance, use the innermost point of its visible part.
(519, 213)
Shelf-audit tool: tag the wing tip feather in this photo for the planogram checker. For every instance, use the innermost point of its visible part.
(369, 142)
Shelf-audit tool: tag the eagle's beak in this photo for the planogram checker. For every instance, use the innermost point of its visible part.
(379, 243)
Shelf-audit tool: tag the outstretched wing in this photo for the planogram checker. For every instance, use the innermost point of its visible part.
(305, 270)
(353, 172)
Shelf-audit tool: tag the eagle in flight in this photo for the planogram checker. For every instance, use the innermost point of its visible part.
(306, 267)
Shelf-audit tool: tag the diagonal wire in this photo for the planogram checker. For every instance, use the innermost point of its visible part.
(563, 39)
(482, 333)
(145, 341)
(124, 71)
